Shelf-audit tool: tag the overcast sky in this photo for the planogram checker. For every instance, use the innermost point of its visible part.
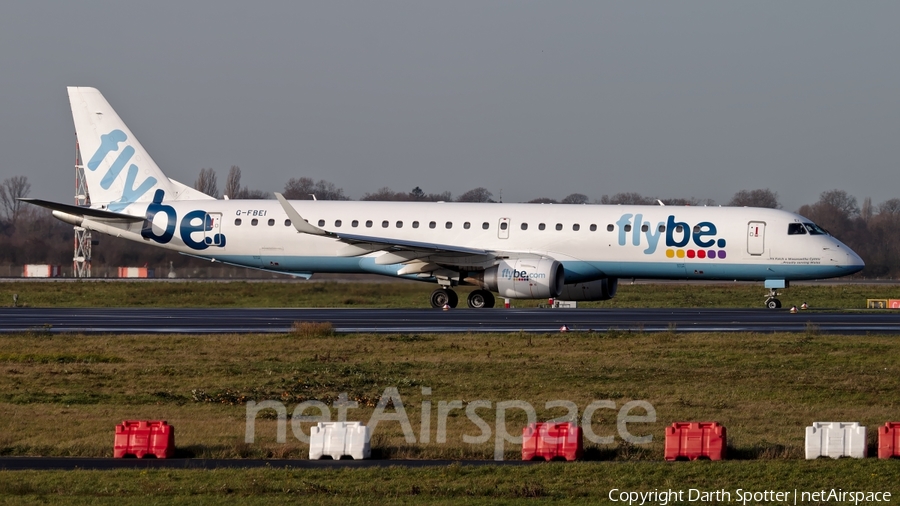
(531, 99)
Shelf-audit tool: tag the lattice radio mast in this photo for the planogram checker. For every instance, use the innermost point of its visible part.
(81, 260)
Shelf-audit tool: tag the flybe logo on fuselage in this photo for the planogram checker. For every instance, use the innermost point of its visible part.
(191, 223)
(699, 240)
(108, 144)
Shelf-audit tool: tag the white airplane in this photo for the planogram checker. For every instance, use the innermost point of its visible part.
(520, 251)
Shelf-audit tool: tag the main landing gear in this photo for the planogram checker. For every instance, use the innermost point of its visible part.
(478, 299)
(771, 301)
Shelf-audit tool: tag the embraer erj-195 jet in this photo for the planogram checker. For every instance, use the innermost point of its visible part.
(521, 251)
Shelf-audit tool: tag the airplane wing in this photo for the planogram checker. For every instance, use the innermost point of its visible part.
(84, 211)
(418, 258)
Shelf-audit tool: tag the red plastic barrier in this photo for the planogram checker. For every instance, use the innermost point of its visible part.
(550, 441)
(139, 438)
(691, 440)
(889, 440)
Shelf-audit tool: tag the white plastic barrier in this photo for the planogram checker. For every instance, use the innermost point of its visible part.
(337, 439)
(41, 271)
(836, 440)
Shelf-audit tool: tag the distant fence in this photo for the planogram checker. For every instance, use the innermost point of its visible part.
(212, 271)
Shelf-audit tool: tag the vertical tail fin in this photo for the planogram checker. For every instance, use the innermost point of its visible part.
(118, 170)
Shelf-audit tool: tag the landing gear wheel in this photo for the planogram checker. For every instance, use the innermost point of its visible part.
(773, 303)
(479, 299)
(444, 296)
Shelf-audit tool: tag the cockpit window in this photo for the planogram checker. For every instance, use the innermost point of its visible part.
(815, 229)
(796, 229)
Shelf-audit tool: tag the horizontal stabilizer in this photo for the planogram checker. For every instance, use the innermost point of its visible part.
(84, 211)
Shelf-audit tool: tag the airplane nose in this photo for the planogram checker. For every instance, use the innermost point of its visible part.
(854, 262)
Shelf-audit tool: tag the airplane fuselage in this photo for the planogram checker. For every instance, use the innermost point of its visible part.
(591, 241)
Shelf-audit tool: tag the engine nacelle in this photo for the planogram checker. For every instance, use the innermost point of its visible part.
(526, 278)
(602, 289)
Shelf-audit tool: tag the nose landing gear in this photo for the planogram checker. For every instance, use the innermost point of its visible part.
(771, 301)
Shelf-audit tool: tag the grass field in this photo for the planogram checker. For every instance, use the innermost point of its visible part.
(63, 395)
(410, 294)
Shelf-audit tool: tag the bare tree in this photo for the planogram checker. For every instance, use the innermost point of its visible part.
(386, 194)
(576, 198)
(755, 198)
(866, 212)
(233, 183)
(255, 194)
(304, 188)
(842, 201)
(630, 198)
(11, 189)
(890, 208)
(207, 183)
(476, 195)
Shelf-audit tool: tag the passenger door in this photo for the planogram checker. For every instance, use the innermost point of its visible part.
(756, 238)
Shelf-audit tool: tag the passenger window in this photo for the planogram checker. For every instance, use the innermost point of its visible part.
(287, 223)
(321, 223)
(432, 225)
(384, 224)
(415, 224)
(504, 225)
(662, 228)
(354, 223)
(559, 226)
(399, 224)
(485, 225)
(610, 227)
(237, 221)
(645, 227)
(449, 224)
(576, 227)
(696, 229)
(627, 228)
(524, 226)
(271, 222)
(337, 223)
(593, 227)
(679, 229)
(796, 229)
(541, 226)
(466, 225)
(254, 222)
(368, 223)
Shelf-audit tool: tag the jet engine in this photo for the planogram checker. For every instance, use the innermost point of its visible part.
(526, 278)
(601, 289)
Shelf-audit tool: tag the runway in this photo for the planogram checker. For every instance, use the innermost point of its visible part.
(241, 320)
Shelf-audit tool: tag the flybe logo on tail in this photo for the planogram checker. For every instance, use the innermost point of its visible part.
(108, 144)
(680, 237)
